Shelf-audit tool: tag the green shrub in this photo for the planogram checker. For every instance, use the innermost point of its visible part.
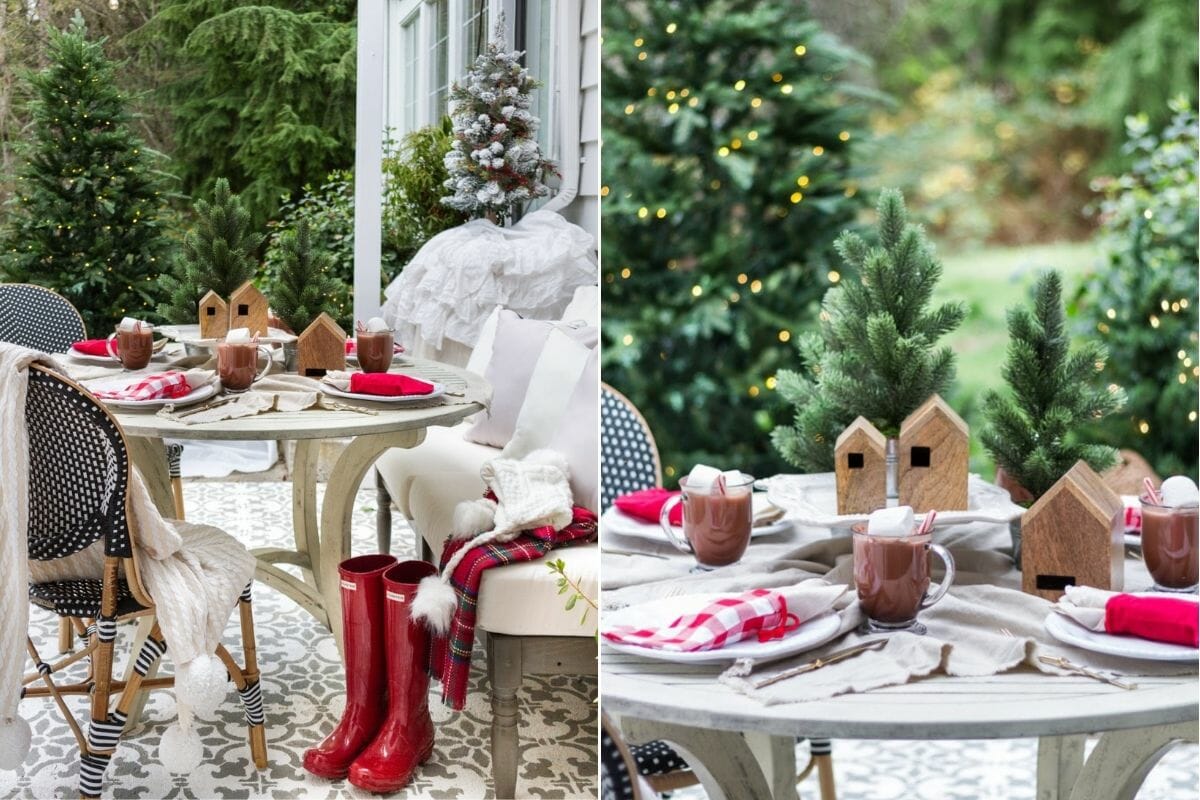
(412, 214)
(1143, 302)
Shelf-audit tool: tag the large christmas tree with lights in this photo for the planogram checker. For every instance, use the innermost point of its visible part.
(728, 142)
(84, 219)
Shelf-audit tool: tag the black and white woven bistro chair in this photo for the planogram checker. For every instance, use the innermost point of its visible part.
(629, 461)
(38, 318)
(78, 478)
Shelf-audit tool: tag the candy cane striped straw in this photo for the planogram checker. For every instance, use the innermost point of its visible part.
(358, 326)
(927, 523)
(1151, 493)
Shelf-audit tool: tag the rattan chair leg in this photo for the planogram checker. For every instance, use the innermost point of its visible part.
(177, 495)
(66, 636)
(248, 681)
(825, 776)
(52, 688)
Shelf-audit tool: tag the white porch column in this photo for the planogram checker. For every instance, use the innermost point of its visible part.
(371, 97)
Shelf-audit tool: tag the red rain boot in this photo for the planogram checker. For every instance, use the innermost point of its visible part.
(366, 669)
(406, 738)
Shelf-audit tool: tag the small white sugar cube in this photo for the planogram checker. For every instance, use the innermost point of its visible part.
(376, 325)
(129, 324)
(1180, 490)
(896, 521)
(238, 335)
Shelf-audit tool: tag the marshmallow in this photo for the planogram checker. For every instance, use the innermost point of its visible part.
(129, 324)
(896, 521)
(1179, 491)
(703, 478)
(238, 335)
(377, 325)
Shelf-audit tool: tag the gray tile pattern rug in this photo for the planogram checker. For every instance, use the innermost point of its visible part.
(302, 691)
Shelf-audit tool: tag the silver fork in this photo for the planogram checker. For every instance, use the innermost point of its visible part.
(1087, 672)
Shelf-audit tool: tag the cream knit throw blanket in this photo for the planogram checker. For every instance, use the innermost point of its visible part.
(194, 574)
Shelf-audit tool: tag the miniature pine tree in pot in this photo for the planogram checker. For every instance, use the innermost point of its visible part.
(219, 254)
(1030, 432)
(495, 163)
(306, 286)
(876, 356)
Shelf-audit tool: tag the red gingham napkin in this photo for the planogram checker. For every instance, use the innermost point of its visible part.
(1133, 520)
(163, 386)
(760, 612)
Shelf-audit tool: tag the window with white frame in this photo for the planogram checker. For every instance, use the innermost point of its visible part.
(431, 43)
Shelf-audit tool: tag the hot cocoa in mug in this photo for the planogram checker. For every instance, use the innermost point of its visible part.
(891, 574)
(374, 350)
(1169, 546)
(716, 523)
(135, 346)
(237, 365)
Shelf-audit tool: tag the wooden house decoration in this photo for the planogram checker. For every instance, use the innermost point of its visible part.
(861, 468)
(321, 348)
(214, 316)
(248, 309)
(1073, 535)
(934, 454)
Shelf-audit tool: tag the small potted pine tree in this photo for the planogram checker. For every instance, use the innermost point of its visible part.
(877, 354)
(305, 287)
(218, 254)
(1030, 431)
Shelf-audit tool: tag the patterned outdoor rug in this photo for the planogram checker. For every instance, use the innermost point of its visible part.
(302, 690)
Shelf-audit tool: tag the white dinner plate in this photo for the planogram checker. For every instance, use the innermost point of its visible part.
(195, 396)
(438, 391)
(1068, 631)
(661, 613)
(615, 521)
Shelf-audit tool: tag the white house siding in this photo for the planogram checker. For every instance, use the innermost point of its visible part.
(585, 210)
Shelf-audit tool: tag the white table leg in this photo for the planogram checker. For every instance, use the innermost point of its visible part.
(722, 760)
(1121, 760)
(304, 504)
(1060, 758)
(338, 507)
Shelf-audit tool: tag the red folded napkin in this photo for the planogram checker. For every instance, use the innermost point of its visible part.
(94, 347)
(162, 386)
(1133, 520)
(387, 384)
(1160, 619)
(647, 504)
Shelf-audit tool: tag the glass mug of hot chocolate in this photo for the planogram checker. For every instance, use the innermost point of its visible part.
(891, 571)
(374, 346)
(1169, 518)
(717, 517)
(237, 365)
(135, 344)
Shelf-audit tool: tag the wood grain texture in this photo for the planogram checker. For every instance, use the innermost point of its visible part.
(860, 489)
(321, 348)
(1073, 533)
(248, 309)
(214, 316)
(942, 485)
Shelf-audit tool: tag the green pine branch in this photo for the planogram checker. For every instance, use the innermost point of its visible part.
(1031, 431)
(878, 355)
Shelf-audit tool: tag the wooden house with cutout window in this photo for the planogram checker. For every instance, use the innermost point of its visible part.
(934, 452)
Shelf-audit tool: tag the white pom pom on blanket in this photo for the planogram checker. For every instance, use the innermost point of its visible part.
(179, 750)
(202, 683)
(15, 737)
(532, 493)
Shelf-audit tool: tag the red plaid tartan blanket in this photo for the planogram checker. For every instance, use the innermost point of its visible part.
(162, 386)
(450, 655)
(759, 612)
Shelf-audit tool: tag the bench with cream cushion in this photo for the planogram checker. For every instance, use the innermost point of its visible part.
(521, 615)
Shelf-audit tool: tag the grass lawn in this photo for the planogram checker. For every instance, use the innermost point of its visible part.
(989, 281)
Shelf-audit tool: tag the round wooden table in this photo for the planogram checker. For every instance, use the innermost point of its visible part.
(319, 545)
(740, 748)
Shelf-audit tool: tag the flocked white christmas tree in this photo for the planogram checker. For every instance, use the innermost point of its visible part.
(495, 163)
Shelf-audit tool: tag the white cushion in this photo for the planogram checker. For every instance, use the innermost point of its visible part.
(584, 307)
(518, 599)
(443, 451)
(482, 352)
(577, 434)
(515, 352)
(550, 388)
